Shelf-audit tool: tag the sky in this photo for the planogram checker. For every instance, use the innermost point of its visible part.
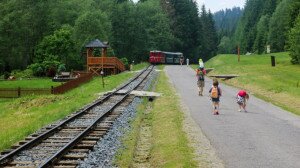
(216, 5)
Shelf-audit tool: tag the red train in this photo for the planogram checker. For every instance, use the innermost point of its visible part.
(163, 57)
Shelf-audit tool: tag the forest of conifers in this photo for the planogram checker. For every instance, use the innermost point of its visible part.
(38, 34)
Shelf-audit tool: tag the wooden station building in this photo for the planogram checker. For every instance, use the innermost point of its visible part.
(97, 63)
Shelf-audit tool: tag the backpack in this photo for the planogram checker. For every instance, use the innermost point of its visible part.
(214, 92)
(200, 75)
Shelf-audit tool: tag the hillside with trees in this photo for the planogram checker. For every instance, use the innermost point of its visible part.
(44, 35)
(226, 24)
(263, 22)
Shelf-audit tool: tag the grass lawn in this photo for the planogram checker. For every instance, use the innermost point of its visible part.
(169, 141)
(23, 116)
(29, 83)
(279, 85)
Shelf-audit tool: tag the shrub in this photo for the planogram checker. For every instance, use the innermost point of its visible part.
(61, 68)
(125, 62)
(27, 73)
(37, 69)
(47, 68)
(6, 75)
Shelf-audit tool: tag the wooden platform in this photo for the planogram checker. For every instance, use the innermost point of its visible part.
(225, 77)
(209, 70)
(110, 65)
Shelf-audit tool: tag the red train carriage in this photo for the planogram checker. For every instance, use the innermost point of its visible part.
(163, 57)
(156, 57)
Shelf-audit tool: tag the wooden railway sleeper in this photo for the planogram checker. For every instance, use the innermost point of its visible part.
(91, 138)
(55, 141)
(75, 156)
(64, 166)
(84, 146)
(67, 162)
(79, 150)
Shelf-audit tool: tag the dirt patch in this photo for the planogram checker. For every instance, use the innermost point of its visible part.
(142, 151)
(35, 102)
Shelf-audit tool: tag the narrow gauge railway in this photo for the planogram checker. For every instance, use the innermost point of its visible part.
(163, 57)
(66, 143)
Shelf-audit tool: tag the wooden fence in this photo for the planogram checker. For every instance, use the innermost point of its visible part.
(72, 84)
(18, 92)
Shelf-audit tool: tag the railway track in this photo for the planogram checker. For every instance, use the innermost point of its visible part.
(64, 144)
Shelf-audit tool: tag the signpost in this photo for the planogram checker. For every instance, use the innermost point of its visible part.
(238, 49)
(102, 74)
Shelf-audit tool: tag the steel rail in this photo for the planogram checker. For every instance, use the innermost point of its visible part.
(51, 161)
(50, 132)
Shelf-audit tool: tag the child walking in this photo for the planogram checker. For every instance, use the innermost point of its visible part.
(215, 94)
(241, 99)
(200, 80)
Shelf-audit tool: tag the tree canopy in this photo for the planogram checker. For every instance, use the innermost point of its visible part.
(58, 30)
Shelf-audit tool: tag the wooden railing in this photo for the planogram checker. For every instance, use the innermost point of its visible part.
(106, 61)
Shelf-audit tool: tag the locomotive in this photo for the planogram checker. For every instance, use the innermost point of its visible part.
(163, 57)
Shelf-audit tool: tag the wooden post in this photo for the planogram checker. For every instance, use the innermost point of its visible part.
(52, 89)
(102, 64)
(19, 92)
(87, 56)
(102, 74)
(238, 48)
(273, 60)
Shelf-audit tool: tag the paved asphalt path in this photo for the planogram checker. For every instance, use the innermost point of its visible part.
(265, 136)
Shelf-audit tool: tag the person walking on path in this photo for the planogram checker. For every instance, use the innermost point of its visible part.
(200, 72)
(181, 60)
(215, 94)
(241, 99)
(201, 64)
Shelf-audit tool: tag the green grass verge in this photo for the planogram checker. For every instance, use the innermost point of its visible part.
(23, 116)
(124, 157)
(279, 85)
(139, 66)
(170, 144)
(29, 83)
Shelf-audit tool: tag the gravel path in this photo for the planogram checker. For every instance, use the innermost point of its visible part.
(265, 136)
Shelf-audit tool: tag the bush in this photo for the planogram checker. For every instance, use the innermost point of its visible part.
(125, 62)
(51, 72)
(37, 69)
(47, 68)
(61, 68)
(27, 73)
(6, 75)
(1, 66)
